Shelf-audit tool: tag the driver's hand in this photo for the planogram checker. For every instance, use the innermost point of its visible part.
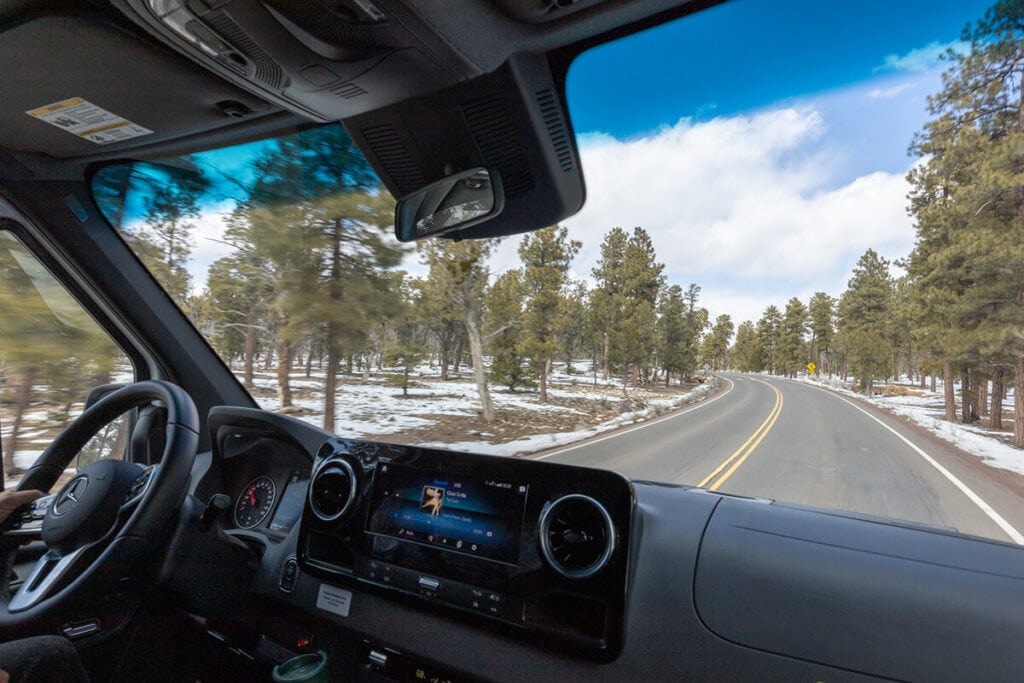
(12, 500)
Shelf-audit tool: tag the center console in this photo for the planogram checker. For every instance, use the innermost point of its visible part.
(537, 548)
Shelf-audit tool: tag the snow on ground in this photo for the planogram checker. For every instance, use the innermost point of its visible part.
(928, 412)
(540, 442)
(378, 407)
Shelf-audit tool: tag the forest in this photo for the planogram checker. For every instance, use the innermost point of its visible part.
(313, 277)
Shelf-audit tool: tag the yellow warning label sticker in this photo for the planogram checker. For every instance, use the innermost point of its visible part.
(86, 120)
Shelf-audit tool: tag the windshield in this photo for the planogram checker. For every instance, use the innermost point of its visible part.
(800, 259)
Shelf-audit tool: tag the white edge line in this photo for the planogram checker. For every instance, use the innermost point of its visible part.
(633, 428)
(975, 498)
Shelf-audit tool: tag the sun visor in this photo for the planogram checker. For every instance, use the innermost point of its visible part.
(512, 121)
(104, 89)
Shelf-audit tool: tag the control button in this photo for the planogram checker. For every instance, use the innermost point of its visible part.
(429, 583)
(378, 659)
(289, 575)
(82, 629)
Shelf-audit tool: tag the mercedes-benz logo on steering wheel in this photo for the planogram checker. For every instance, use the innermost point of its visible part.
(71, 494)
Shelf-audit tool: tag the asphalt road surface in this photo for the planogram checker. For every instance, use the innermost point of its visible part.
(793, 442)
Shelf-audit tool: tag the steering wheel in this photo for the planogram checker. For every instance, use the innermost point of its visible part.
(107, 519)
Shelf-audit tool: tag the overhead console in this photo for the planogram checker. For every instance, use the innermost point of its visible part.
(323, 60)
(537, 548)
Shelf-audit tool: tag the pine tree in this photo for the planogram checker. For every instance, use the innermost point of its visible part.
(326, 250)
(715, 349)
(628, 281)
(503, 322)
(822, 321)
(864, 319)
(672, 332)
(745, 354)
(546, 255)
(792, 347)
(459, 269)
(164, 239)
(769, 330)
(969, 196)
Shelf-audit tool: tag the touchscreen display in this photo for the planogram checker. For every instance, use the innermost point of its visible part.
(476, 516)
(290, 508)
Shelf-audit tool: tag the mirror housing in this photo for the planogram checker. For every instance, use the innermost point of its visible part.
(458, 201)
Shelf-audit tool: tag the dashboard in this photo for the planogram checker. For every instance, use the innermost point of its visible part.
(539, 548)
(409, 563)
(539, 551)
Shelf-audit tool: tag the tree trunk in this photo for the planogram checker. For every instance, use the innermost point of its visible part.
(476, 351)
(966, 394)
(332, 332)
(284, 366)
(948, 392)
(934, 382)
(22, 399)
(981, 396)
(1018, 395)
(995, 419)
(543, 381)
(331, 379)
(604, 359)
(249, 352)
(458, 355)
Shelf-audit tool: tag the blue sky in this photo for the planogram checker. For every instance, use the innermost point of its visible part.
(762, 144)
(747, 54)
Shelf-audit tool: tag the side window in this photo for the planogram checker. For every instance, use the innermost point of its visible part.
(51, 353)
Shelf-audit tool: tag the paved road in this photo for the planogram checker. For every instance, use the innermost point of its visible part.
(789, 441)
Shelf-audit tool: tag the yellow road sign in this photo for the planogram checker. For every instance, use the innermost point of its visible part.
(811, 367)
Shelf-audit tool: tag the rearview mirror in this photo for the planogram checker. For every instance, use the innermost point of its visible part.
(453, 203)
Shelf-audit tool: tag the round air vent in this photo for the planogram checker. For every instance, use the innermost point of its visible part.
(333, 490)
(576, 536)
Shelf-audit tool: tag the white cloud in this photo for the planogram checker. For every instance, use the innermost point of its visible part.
(747, 207)
(886, 93)
(921, 58)
(743, 206)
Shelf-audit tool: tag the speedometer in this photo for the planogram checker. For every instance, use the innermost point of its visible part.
(255, 502)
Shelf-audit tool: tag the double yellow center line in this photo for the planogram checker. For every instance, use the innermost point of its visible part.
(734, 461)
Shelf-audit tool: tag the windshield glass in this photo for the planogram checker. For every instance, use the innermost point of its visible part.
(784, 283)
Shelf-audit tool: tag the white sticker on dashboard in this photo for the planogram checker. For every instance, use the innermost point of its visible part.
(334, 600)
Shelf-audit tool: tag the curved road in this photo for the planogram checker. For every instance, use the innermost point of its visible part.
(789, 441)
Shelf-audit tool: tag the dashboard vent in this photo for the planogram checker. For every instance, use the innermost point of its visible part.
(576, 536)
(551, 112)
(333, 490)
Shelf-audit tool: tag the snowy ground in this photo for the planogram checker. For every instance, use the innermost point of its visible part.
(378, 407)
(928, 411)
(579, 408)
